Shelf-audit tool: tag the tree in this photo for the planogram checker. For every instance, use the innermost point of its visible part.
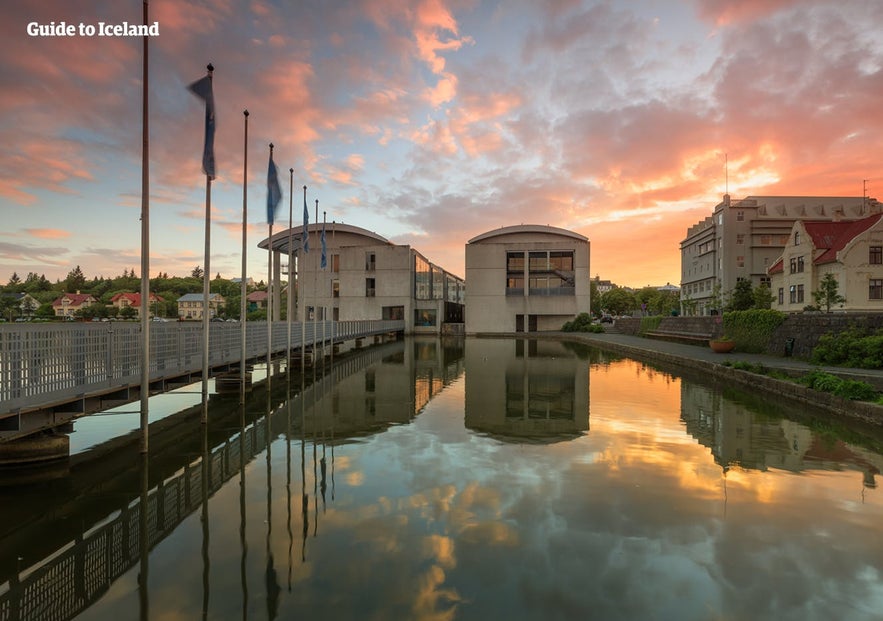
(742, 297)
(75, 280)
(827, 294)
(717, 298)
(14, 281)
(618, 301)
(197, 272)
(763, 297)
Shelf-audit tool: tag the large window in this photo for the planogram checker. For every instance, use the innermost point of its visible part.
(875, 289)
(514, 273)
(550, 273)
(422, 278)
(875, 255)
(424, 317)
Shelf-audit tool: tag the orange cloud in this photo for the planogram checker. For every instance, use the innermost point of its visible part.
(48, 233)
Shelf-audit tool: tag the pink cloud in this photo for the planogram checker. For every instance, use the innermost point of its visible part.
(48, 233)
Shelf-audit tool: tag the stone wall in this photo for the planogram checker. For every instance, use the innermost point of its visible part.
(690, 325)
(807, 328)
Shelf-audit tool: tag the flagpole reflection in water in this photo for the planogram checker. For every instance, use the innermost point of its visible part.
(243, 542)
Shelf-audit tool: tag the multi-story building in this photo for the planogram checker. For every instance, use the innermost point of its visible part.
(743, 238)
(133, 300)
(365, 276)
(67, 304)
(852, 252)
(526, 278)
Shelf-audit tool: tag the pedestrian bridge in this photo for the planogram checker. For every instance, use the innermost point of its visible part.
(53, 373)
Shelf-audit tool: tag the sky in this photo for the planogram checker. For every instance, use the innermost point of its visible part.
(428, 122)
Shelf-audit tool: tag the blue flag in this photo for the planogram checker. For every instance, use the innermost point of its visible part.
(274, 192)
(323, 263)
(305, 236)
(202, 88)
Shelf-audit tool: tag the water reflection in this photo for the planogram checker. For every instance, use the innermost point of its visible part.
(525, 390)
(682, 502)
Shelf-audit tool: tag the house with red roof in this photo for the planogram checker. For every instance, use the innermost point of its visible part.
(851, 251)
(256, 300)
(133, 300)
(69, 303)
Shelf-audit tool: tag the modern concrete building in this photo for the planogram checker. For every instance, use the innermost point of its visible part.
(743, 238)
(366, 276)
(852, 252)
(526, 278)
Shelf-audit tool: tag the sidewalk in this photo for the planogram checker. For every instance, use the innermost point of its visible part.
(680, 353)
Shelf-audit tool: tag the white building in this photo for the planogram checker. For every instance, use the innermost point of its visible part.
(367, 277)
(743, 238)
(852, 252)
(526, 278)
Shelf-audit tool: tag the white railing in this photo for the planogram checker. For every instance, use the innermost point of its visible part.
(44, 364)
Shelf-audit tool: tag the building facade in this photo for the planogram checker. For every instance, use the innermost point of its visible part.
(743, 238)
(67, 304)
(192, 305)
(133, 300)
(526, 278)
(365, 276)
(852, 252)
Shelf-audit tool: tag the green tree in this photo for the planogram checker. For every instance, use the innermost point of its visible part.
(197, 272)
(827, 294)
(14, 283)
(742, 297)
(75, 280)
(618, 301)
(594, 298)
(763, 297)
(717, 299)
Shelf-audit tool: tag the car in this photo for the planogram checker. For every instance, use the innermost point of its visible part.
(606, 319)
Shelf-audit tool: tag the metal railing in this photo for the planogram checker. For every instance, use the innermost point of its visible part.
(46, 364)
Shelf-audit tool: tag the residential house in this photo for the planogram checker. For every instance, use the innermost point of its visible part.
(526, 278)
(133, 300)
(256, 300)
(67, 304)
(851, 251)
(24, 302)
(192, 305)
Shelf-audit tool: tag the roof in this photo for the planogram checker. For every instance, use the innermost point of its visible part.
(256, 296)
(832, 237)
(197, 297)
(778, 267)
(280, 239)
(134, 298)
(74, 299)
(527, 229)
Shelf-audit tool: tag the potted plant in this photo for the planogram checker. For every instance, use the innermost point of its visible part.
(722, 345)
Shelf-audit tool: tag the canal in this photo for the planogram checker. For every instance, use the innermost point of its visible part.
(461, 479)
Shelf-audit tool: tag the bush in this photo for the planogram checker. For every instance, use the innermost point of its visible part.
(581, 323)
(852, 347)
(848, 389)
(649, 324)
(752, 329)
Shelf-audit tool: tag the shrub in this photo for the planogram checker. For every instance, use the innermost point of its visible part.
(752, 329)
(852, 347)
(581, 323)
(649, 324)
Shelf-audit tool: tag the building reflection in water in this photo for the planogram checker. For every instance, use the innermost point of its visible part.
(526, 390)
(738, 436)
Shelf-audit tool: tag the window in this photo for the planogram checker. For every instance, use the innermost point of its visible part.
(875, 289)
(796, 238)
(335, 262)
(422, 278)
(793, 265)
(514, 261)
(765, 281)
(800, 263)
(740, 261)
(335, 288)
(740, 238)
(424, 317)
(740, 216)
(792, 294)
(369, 287)
(875, 255)
(800, 294)
(781, 295)
(370, 261)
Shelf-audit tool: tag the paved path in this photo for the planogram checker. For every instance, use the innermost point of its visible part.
(667, 349)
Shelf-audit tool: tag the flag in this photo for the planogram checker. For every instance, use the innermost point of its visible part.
(274, 192)
(305, 235)
(202, 88)
(323, 263)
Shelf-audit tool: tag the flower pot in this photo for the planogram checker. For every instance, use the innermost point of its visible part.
(722, 347)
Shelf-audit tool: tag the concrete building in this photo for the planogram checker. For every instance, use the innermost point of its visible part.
(526, 278)
(743, 238)
(368, 277)
(850, 251)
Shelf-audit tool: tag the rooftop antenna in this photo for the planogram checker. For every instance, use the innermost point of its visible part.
(864, 195)
(726, 173)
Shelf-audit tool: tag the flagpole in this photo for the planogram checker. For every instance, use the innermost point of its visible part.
(324, 283)
(145, 247)
(290, 257)
(243, 286)
(316, 294)
(270, 286)
(206, 276)
(302, 294)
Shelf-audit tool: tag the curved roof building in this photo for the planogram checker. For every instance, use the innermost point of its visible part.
(526, 278)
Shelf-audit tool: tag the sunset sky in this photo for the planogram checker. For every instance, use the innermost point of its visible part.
(429, 122)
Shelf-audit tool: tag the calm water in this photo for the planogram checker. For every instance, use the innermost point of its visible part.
(491, 479)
